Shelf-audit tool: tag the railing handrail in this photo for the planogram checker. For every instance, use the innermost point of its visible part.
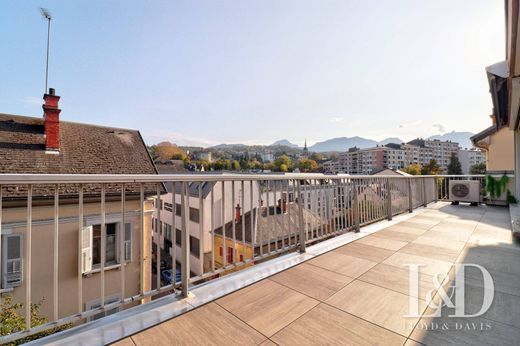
(196, 177)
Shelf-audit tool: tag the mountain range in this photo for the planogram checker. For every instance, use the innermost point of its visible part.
(344, 143)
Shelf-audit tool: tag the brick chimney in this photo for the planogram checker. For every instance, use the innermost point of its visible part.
(237, 213)
(51, 123)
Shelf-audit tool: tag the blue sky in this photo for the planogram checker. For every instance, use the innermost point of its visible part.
(209, 72)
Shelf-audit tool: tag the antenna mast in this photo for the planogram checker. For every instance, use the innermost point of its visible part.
(47, 15)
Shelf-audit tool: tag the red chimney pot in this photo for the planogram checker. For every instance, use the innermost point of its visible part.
(51, 123)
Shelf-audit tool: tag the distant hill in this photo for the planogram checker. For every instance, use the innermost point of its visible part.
(460, 137)
(285, 143)
(344, 143)
(229, 146)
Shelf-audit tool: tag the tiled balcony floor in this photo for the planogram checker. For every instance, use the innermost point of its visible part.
(358, 293)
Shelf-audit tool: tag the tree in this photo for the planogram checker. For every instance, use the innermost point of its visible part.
(11, 321)
(413, 169)
(283, 167)
(235, 165)
(283, 160)
(479, 168)
(307, 165)
(454, 166)
(431, 168)
(169, 151)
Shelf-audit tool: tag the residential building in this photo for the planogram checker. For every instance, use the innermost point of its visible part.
(202, 198)
(440, 151)
(267, 157)
(49, 145)
(364, 161)
(471, 157)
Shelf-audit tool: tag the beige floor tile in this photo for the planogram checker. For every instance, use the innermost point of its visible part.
(406, 229)
(448, 235)
(411, 342)
(431, 251)
(429, 266)
(267, 343)
(123, 342)
(343, 264)
(393, 235)
(267, 306)
(410, 223)
(378, 305)
(397, 279)
(440, 242)
(425, 220)
(388, 244)
(494, 258)
(207, 325)
(368, 252)
(325, 325)
(313, 281)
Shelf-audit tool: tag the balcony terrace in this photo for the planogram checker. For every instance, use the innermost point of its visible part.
(357, 294)
(347, 283)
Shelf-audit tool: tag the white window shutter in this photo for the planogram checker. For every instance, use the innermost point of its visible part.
(86, 249)
(128, 242)
(13, 260)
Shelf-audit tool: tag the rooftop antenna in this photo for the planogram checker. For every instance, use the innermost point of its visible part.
(47, 16)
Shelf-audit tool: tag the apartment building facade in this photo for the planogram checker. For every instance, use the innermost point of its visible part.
(471, 157)
(50, 146)
(202, 200)
(393, 156)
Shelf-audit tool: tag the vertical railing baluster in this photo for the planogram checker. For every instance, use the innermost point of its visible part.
(357, 216)
(55, 252)
(270, 230)
(233, 224)
(259, 230)
(1, 212)
(103, 244)
(302, 233)
(122, 238)
(410, 198)
(141, 239)
(243, 220)
(251, 218)
(201, 229)
(174, 233)
(157, 236)
(185, 243)
(28, 244)
(223, 222)
(389, 199)
(212, 222)
(80, 248)
(425, 197)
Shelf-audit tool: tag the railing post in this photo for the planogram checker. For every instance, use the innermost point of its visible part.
(301, 225)
(425, 201)
(388, 199)
(356, 207)
(185, 241)
(410, 198)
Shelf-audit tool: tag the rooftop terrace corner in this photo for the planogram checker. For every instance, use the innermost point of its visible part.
(353, 289)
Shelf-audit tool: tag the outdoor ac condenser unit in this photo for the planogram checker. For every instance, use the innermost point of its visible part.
(465, 191)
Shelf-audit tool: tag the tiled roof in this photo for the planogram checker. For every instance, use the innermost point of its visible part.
(84, 149)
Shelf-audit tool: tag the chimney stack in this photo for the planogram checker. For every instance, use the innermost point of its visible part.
(51, 123)
(237, 213)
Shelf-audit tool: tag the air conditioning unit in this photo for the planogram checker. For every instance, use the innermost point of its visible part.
(465, 191)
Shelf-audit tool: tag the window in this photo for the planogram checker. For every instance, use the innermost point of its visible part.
(97, 303)
(178, 209)
(91, 245)
(194, 215)
(195, 246)
(220, 251)
(12, 260)
(230, 254)
(178, 236)
(168, 231)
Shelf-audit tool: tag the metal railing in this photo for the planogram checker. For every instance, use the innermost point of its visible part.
(92, 234)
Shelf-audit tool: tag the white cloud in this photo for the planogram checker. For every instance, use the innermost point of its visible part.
(337, 119)
(32, 100)
(439, 127)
